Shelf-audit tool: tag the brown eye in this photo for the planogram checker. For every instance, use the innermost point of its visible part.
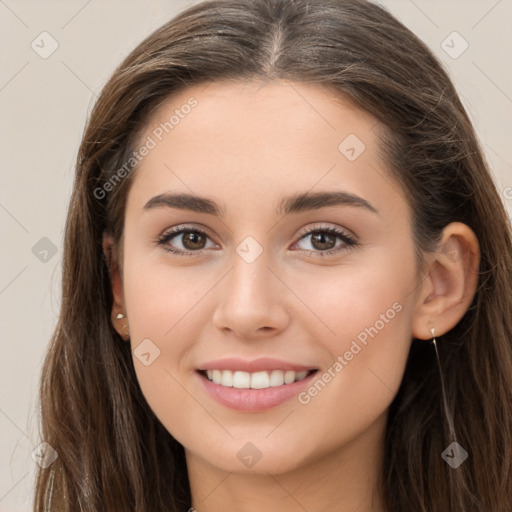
(323, 241)
(192, 241)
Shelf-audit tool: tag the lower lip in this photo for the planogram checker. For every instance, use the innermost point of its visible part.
(254, 400)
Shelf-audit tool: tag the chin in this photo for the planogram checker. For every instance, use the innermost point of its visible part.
(253, 457)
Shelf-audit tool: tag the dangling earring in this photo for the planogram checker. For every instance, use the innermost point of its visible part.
(433, 332)
(449, 416)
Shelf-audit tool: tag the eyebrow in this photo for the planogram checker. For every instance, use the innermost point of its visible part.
(296, 203)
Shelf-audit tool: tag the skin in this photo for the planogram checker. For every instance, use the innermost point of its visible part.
(246, 146)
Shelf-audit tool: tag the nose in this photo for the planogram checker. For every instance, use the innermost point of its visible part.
(251, 300)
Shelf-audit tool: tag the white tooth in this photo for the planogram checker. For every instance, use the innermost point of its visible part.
(260, 380)
(217, 376)
(301, 375)
(276, 378)
(241, 380)
(289, 377)
(256, 380)
(227, 378)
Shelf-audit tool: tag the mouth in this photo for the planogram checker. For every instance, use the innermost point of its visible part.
(252, 392)
(255, 380)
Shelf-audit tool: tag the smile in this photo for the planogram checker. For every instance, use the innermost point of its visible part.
(254, 391)
(255, 380)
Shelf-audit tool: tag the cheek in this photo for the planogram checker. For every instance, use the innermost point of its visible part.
(161, 309)
(161, 304)
(161, 298)
(356, 300)
(366, 317)
(368, 357)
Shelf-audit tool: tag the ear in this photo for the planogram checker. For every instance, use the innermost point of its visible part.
(114, 268)
(450, 283)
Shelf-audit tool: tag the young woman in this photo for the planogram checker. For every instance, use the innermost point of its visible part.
(286, 278)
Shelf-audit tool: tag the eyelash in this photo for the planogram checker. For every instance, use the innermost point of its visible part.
(349, 241)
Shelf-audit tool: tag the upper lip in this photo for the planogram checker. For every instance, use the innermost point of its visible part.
(255, 365)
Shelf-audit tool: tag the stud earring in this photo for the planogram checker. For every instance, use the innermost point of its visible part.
(119, 316)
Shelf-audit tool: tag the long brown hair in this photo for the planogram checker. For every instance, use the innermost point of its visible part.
(113, 453)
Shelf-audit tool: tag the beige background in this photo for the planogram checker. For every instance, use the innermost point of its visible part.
(44, 103)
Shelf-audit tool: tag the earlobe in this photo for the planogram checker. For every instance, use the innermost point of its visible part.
(118, 313)
(450, 282)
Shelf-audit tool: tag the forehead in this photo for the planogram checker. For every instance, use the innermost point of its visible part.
(255, 140)
(254, 112)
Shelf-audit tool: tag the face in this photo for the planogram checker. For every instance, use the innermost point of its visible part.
(258, 278)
